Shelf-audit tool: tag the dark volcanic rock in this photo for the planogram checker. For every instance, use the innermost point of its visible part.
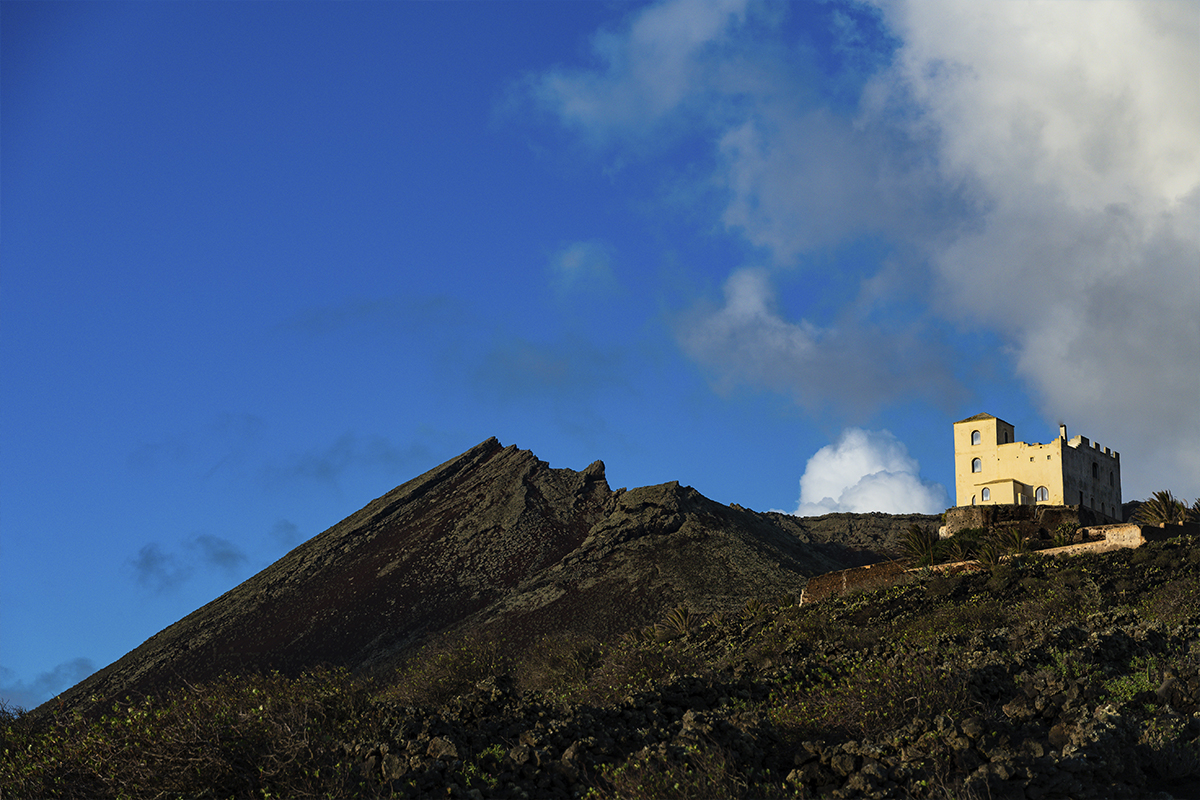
(493, 541)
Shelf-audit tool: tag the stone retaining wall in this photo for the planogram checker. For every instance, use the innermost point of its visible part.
(872, 576)
(1029, 520)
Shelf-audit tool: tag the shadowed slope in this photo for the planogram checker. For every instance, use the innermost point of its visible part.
(493, 540)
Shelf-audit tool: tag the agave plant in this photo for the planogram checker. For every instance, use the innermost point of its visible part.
(1064, 535)
(1163, 508)
(1011, 541)
(678, 622)
(990, 554)
(920, 545)
(959, 549)
(754, 608)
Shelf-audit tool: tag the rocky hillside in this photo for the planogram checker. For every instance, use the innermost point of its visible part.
(1040, 679)
(493, 542)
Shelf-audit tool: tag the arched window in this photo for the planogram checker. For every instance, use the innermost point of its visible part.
(1110, 478)
(975, 437)
(977, 465)
(987, 494)
(1095, 470)
(1043, 493)
(972, 499)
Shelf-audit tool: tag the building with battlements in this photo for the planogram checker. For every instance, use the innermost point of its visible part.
(992, 468)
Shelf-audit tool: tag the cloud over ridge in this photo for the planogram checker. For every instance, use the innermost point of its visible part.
(867, 471)
(1076, 123)
(1032, 165)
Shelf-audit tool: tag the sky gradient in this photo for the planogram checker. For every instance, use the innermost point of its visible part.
(262, 262)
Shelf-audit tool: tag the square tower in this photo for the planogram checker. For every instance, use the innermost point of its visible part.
(992, 468)
(976, 459)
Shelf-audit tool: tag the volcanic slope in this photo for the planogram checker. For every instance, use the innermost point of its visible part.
(495, 542)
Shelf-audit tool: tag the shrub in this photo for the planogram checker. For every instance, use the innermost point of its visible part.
(260, 735)
(558, 664)
(679, 773)
(920, 545)
(678, 622)
(1064, 534)
(1162, 508)
(635, 666)
(990, 554)
(956, 549)
(871, 696)
(1010, 541)
(442, 671)
(1175, 602)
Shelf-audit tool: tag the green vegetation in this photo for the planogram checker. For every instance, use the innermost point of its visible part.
(922, 547)
(1164, 508)
(727, 705)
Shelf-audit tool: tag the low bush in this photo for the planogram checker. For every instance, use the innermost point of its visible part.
(441, 671)
(262, 735)
(693, 772)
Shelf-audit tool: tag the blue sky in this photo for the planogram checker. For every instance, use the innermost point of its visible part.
(262, 262)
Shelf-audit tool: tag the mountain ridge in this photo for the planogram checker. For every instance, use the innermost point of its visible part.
(492, 541)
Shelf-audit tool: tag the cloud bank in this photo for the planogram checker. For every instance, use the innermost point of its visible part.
(867, 471)
(162, 570)
(29, 695)
(1076, 125)
(1032, 166)
(582, 267)
(327, 464)
(854, 363)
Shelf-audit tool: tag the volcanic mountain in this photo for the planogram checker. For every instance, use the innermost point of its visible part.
(493, 542)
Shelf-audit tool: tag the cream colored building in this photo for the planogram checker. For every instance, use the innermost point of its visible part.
(991, 467)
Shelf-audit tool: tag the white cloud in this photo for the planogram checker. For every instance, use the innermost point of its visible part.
(582, 266)
(1076, 123)
(800, 179)
(20, 694)
(867, 471)
(1033, 164)
(649, 69)
(856, 363)
(747, 338)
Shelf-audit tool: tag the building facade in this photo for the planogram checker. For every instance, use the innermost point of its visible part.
(991, 467)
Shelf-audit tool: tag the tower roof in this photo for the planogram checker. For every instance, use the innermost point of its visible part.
(975, 418)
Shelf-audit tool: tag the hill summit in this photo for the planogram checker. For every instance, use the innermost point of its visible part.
(493, 541)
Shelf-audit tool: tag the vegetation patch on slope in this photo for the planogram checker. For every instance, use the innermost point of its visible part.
(1039, 678)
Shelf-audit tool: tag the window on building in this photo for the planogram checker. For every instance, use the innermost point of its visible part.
(977, 466)
(1110, 479)
(975, 437)
(1043, 493)
(1093, 503)
(1095, 470)
(987, 495)
(972, 499)
(1006, 437)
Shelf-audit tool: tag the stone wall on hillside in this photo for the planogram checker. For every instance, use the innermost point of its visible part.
(1040, 521)
(872, 576)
